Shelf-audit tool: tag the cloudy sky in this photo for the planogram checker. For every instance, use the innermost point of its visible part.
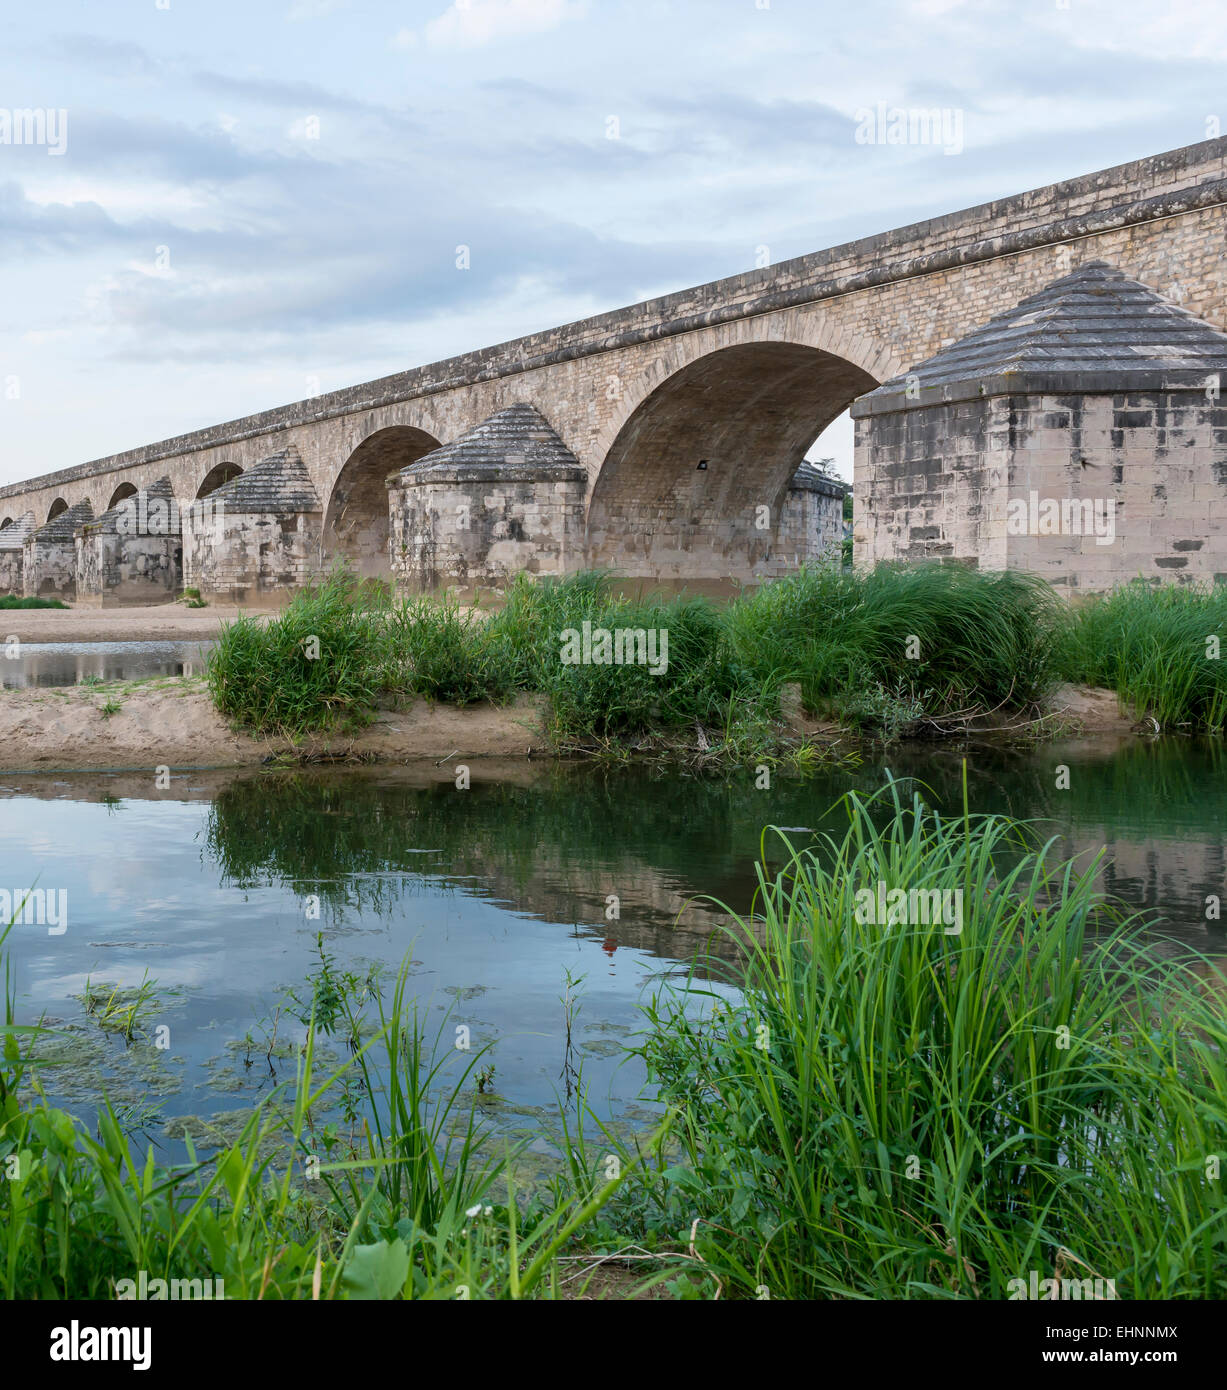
(258, 201)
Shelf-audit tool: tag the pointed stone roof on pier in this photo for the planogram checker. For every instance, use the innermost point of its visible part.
(64, 526)
(13, 537)
(158, 506)
(1094, 330)
(279, 484)
(516, 444)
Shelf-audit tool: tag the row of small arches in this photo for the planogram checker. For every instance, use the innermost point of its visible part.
(213, 479)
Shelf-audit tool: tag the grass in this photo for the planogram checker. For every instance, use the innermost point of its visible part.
(894, 651)
(402, 1207)
(12, 601)
(873, 1111)
(319, 663)
(1158, 648)
(885, 651)
(908, 1113)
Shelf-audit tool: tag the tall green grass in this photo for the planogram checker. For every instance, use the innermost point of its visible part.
(882, 649)
(1158, 647)
(319, 663)
(909, 1113)
(402, 1208)
(935, 639)
(13, 601)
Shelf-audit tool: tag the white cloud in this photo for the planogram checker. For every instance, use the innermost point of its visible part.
(469, 23)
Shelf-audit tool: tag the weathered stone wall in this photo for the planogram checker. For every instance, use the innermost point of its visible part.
(932, 479)
(10, 572)
(1141, 476)
(453, 532)
(811, 529)
(244, 556)
(49, 569)
(115, 569)
(1153, 468)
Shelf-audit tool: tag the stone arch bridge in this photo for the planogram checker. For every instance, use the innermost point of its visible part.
(664, 439)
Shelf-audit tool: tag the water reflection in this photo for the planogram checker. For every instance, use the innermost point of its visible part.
(52, 664)
(501, 892)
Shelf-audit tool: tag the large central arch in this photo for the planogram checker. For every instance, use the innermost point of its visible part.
(679, 493)
(356, 526)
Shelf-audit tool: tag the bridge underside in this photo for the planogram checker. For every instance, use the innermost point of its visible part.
(697, 481)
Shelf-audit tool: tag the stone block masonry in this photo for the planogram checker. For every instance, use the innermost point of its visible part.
(1081, 435)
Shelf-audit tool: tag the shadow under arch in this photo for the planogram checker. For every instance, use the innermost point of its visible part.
(122, 491)
(58, 506)
(679, 492)
(218, 475)
(356, 525)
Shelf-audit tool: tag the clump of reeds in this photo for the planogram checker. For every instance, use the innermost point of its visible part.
(1159, 648)
(901, 1110)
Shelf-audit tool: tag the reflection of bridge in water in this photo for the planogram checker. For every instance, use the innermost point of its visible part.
(553, 842)
(55, 664)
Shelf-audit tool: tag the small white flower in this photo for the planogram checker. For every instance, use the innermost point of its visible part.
(474, 1211)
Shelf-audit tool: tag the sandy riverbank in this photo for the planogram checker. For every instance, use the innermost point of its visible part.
(172, 722)
(164, 622)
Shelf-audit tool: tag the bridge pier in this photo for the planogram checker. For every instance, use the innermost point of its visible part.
(257, 537)
(506, 496)
(1080, 435)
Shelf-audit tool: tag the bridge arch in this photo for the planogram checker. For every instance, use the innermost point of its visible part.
(218, 475)
(356, 524)
(58, 506)
(6, 523)
(680, 489)
(122, 491)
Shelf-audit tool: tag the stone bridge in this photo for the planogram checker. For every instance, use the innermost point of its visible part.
(663, 439)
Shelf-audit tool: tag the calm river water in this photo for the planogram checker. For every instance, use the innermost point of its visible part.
(50, 664)
(210, 890)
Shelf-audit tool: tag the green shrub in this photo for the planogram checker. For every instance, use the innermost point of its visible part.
(12, 601)
(323, 660)
(903, 1111)
(1155, 647)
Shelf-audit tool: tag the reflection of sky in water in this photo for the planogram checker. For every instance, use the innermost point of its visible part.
(51, 664)
(497, 892)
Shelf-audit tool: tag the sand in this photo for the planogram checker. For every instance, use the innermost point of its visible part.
(172, 723)
(164, 622)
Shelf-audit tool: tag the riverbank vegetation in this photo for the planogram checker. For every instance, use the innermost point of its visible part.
(887, 650)
(1159, 648)
(896, 651)
(926, 1107)
(8, 601)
